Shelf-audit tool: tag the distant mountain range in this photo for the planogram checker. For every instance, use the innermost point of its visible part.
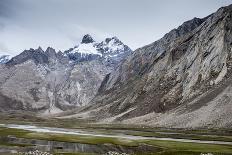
(49, 82)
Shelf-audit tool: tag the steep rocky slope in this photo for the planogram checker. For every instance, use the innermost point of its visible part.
(51, 82)
(181, 80)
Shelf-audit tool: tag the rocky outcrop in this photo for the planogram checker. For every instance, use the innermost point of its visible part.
(178, 75)
(87, 39)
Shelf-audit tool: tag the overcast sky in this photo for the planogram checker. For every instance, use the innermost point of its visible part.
(62, 23)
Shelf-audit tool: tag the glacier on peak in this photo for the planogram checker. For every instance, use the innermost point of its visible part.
(86, 48)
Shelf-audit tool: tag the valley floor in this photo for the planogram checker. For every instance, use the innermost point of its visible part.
(25, 133)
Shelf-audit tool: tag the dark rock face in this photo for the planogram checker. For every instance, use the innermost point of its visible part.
(141, 62)
(158, 82)
(37, 55)
(50, 52)
(87, 39)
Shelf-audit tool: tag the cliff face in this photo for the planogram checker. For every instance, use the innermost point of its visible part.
(171, 81)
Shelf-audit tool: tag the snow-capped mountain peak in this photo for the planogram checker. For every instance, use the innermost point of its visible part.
(4, 58)
(89, 49)
(113, 46)
(86, 48)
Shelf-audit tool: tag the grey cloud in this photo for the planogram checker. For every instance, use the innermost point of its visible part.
(62, 23)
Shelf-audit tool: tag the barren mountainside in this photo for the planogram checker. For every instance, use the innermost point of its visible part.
(181, 80)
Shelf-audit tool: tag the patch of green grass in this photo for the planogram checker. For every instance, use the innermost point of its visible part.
(15, 132)
(180, 135)
(168, 147)
(19, 133)
(81, 139)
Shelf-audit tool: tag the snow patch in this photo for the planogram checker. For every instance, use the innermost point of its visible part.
(4, 58)
(113, 46)
(86, 49)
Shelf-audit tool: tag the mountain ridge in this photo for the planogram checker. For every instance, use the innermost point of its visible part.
(164, 83)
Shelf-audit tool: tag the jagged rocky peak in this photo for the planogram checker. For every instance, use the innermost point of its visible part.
(86, 50)
(39, 49)
(113, 46)
(39, 56)
(87, 39)
(51, 52)
(190, 25)
(115, 39)
(183, 29)
(36, 55)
